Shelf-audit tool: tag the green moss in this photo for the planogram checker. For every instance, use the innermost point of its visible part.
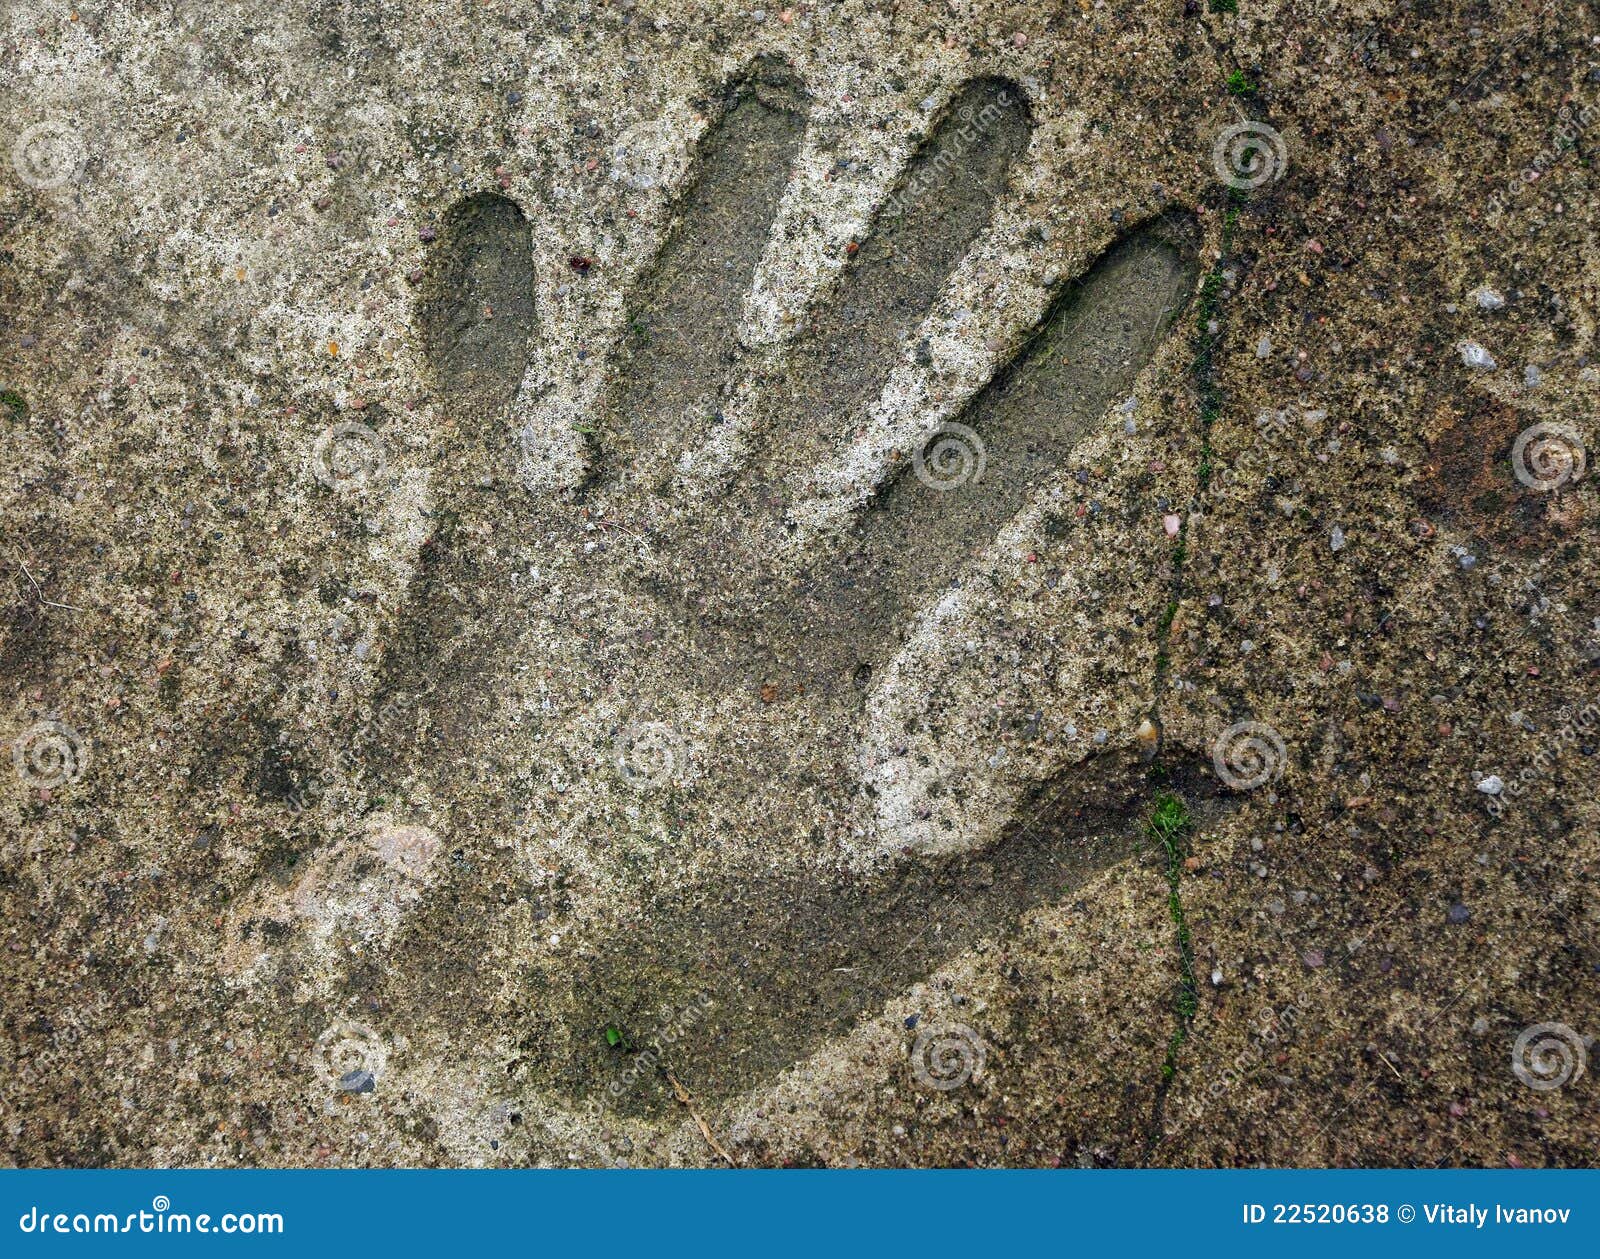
(1240, 84)
(1169, 820)
(14, 402)
(1224, 6)
(1208, 311)
(1170, 824)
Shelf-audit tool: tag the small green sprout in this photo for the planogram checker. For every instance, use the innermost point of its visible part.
(1240, 84)
(1169, 820)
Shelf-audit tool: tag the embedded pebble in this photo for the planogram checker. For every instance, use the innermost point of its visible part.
(1475, 356)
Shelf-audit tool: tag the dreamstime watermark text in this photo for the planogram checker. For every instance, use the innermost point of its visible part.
(160, 1219)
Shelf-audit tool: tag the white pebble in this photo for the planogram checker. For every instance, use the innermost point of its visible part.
(1474, 355)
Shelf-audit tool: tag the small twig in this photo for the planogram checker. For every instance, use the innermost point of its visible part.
(685, 1098)
(633, 533)
(1391, 1066)
(49, 603)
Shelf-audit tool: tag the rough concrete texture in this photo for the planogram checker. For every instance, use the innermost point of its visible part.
(509, 658)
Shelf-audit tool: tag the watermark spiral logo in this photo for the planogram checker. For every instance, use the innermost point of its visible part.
(50, 754)
(49, 155)
(161, 1203)
(947, 1058)
(1248, 754)
(1249, 154)
(649, 754)
(347, 454)
(951, 457)
(350, 1056)
(1547, 1056)
(1547, 456)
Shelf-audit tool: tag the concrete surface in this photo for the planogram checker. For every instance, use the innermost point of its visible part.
(621, 584)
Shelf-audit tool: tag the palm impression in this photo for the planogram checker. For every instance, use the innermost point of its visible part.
(650, 749)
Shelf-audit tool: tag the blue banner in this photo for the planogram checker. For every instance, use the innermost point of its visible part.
(607, 1214)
